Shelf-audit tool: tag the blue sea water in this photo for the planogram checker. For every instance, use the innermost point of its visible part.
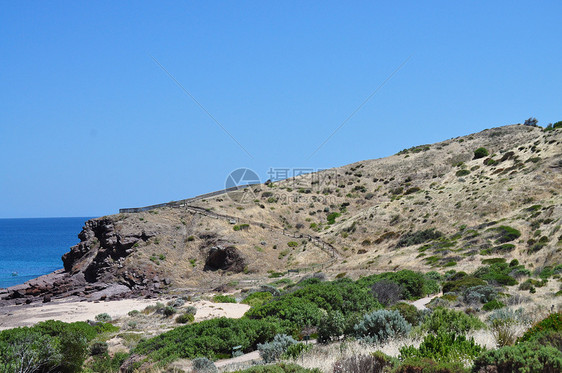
(31, 248)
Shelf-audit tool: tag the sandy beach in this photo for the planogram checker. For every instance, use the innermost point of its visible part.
(71, 311)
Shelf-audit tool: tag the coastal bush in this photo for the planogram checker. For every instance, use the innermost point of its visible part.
(419, 237)
(386, 292)
(444, 347)
(409, 312)
(303, 306)
(507, 234)
(331, 218)
(479, 294)
(331, 327)
(258, 298)
(48, 346)
(522, 358)
(223, 299)
(279, 368)
(169, 311)
(552, 322)
(27, 350)
(105, 363)
(494, 304)
(103, 317)
(296, 350)
(414, 285)
(297, 311)
(480, 153)
(98, 348)
(381, 325)
(425, 365)
(272, 351)
(461, 283)
(185, 318)
(214, 338)
(461, 173)
(505, 324)
(204, 365)
(359, 364)
(450, 321)
(497, 273)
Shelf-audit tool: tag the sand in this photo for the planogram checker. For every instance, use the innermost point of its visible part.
(71, 311)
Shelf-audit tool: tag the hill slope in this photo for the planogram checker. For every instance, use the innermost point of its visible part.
(432, 206)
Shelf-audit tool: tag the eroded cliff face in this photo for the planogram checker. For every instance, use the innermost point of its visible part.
(129, 255)
(104, 246)
(94, 268)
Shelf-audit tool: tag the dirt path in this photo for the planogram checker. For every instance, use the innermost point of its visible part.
(251, 356)
(420, 303)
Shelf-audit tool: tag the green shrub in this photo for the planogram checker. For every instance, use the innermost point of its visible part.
(103, 317)
(42, 351)
(480, 153)
(386, 292)
(444, 347)
(297, 311)
(133, 313)
(419, 237)
(451, 321)
(506, 234)
(462, 283)
(48, 346)
(219, 298)
(331, 327)
(296, 350)
(552, 322)
(272, 351)
(292, 244)
(204, 365)
(409, 312)
(461, 173)
(214, 338)
(106, 364)
(502, 249)
(258, 298)
(332, 217)
(359, 364)
(278, 368)
(479, 294)
(381, 325)
(493, 305)
(169, 311)
(497, 273)
(504, 324)
(414, 285)
(303, 306)
(424, 365)
(523, 358)
(185, 318)
(98, 348)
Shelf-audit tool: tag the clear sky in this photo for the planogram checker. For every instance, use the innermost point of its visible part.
(89, 121)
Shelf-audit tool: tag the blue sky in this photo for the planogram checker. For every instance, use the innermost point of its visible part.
(90, 123)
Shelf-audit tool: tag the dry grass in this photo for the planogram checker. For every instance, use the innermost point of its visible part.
(324, 357)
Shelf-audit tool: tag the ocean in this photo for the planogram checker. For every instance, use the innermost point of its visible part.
(33, 247)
